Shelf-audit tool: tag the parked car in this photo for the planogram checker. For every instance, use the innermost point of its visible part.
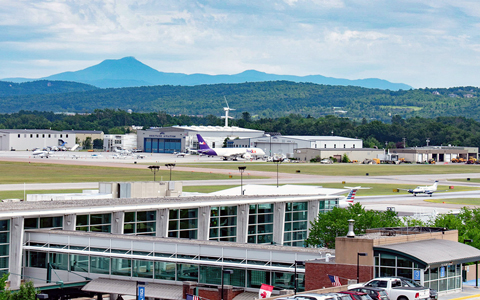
(375, 293)
(396, 289)
(357, 295)
(313, 296)
(410, 282)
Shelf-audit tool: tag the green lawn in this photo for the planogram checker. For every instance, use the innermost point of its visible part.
(462, 201)
(19, 194)
(16, 172)
(344, 169)
(476, 180)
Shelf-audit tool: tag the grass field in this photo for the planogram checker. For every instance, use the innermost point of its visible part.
(462, 201)
(345, 169)
(16, 172)
(19, 194)
(475, 180)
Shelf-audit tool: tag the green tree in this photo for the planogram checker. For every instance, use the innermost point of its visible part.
(345, 158)
(466, 222)
(334, 223)
(4, 294)
(87, 143)
(97, 144)
(27, 290)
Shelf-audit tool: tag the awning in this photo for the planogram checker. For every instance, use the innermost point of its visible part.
(432, 252)
(125, 287)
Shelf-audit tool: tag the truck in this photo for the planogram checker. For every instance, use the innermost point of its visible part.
(395, 289)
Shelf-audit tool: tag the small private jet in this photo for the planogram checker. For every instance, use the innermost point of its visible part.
(428, 190)
(229, 153)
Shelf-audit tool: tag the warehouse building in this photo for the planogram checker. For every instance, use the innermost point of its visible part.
(286, 144)
(29, 139)
(358, 154)
(437, 153)
(180, 138)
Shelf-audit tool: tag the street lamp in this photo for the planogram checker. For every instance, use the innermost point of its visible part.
(154, 169)
(230, 272)
(241, 169)
(277, 161)
(170, 166)
(358, 264)
(297, 263)
(142, 293)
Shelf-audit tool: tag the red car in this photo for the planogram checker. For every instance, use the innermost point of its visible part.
(357, 295)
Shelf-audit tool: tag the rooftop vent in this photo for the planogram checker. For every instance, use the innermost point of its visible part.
(350, 232)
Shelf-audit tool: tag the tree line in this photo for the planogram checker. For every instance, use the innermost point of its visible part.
(334, 223)
(270, 99)
(458, 131)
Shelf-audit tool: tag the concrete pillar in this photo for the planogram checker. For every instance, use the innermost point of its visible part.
(114, 296)
(15, 258)
(242, 223)
(162, 222)
(313, 210)
(278, 222)
(118, 220)
(69, 222)
(204, 223)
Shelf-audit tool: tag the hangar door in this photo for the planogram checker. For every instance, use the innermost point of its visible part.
(162, 145)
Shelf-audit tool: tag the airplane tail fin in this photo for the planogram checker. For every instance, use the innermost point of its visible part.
(351, 195)
(61, 142)
(435, 183)
(201, 142)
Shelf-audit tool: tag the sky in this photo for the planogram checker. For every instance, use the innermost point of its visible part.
(423, 43)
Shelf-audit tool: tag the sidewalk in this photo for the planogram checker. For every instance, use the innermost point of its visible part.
(469, 292)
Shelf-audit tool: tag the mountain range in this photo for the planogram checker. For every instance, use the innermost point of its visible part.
(129, 72)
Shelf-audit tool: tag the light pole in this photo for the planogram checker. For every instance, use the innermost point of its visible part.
(170, 166)
(241, 169)
(277, 161)
(297, 263)
(154, 169)
(143, 283)
(358, 264)
(230, 272)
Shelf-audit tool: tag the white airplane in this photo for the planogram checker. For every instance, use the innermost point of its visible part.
(42, 153)
(122, 152)
(226, 153)
(344, 203)
(429, 190)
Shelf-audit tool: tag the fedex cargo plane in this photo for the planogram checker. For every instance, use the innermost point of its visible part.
(229, 153)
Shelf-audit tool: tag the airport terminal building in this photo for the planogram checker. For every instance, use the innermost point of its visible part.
(160, 240)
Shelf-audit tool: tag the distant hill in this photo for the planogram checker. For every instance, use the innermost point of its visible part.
(264, 99)
(41, 87)
(129, 72)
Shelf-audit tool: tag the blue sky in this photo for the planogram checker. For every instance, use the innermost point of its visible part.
(432, 43)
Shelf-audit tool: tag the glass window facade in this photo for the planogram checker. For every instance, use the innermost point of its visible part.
(4, 245)
(140, 223)
(183, 223)
(153, 145)
(260, 224)
(91, 262)
(296, 220)
(44, 222)
(223, 223)
(443, 278)
(95, 223)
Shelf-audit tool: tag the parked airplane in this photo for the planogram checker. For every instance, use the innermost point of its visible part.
(42, 153)
(229, 153)
(429, 190)
(344, 203)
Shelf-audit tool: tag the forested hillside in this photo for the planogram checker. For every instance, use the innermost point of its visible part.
(264, 99)
(42, 87)
(457, 131)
